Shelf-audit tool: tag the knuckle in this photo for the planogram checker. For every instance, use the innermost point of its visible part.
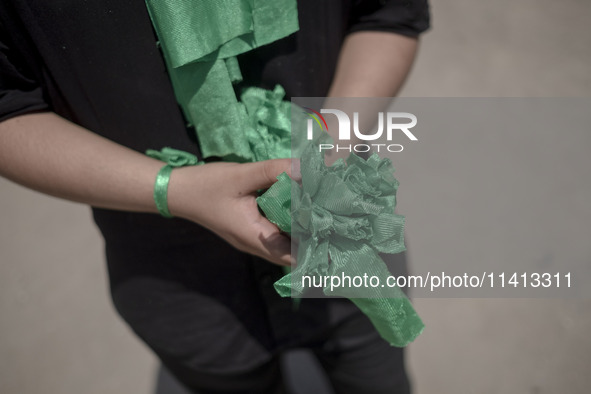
(269, 170)
(272, 168)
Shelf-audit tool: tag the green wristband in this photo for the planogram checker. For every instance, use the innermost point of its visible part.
(161, 190)
(173, 158)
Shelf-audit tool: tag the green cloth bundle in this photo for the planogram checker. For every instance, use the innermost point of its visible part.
(342, 215)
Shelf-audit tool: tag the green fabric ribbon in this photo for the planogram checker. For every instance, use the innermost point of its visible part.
(342, 215)
(173, 158)
(199, 40)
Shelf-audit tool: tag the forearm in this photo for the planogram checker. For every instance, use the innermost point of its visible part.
(373, 64)
(52, 155)
(49, 154)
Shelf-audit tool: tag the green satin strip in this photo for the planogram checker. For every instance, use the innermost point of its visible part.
(345, 212)
(173, 158)
(161, 191)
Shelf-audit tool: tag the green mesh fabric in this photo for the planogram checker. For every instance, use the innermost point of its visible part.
(342, 218)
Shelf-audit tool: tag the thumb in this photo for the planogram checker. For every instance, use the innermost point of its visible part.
(262, 174)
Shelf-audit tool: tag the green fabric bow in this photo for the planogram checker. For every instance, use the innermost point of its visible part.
(342, 217)
(174, 157)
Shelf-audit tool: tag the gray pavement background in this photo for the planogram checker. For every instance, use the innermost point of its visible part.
(59, 333)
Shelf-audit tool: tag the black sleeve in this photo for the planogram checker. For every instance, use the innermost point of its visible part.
(20, 91)
(406, 17)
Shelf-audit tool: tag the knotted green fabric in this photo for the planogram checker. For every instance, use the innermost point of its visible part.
(342, 215)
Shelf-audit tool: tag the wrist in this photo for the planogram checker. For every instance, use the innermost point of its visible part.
(173, 159)
(179, 194)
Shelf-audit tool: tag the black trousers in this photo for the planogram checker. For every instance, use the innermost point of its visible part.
(353, 361)
(212, 316)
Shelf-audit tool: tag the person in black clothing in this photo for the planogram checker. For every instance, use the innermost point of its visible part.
(84, 91)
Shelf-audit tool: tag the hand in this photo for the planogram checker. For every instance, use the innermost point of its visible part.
(222, 197)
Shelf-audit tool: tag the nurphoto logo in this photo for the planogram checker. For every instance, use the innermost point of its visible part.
(396, 123)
